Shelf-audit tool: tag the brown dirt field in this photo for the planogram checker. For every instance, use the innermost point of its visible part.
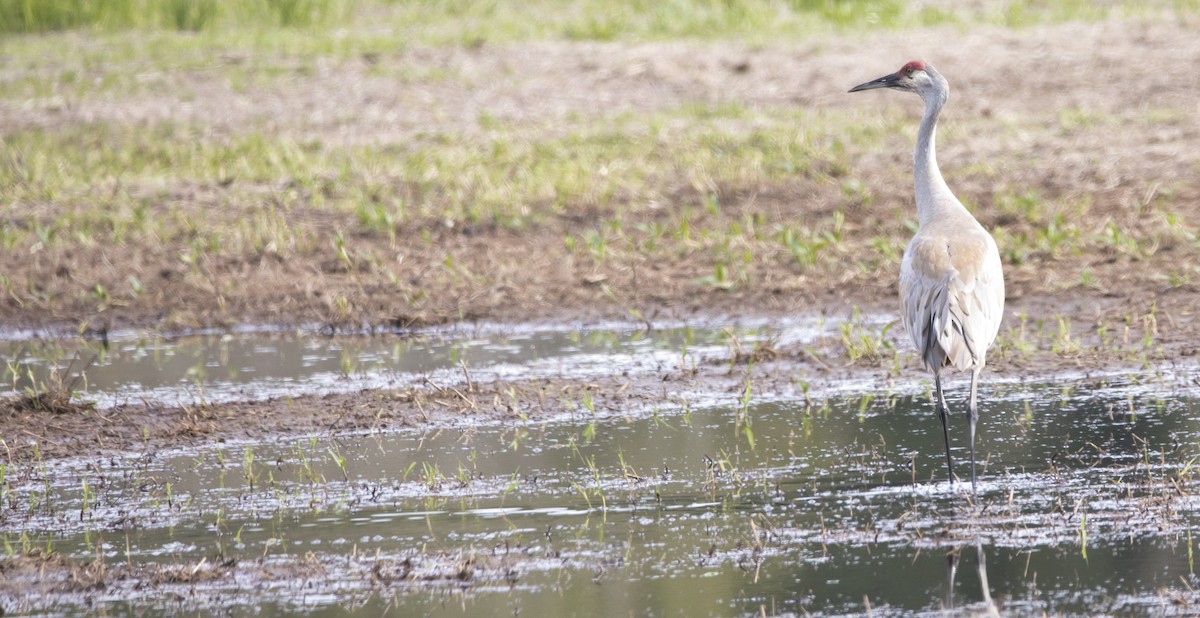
(1004, 120)
(1009, 88)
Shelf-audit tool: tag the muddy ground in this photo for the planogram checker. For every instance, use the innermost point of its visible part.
(1114, 71)
(1011, 90)
(49, 426)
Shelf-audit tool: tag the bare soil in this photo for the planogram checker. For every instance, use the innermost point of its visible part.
(1009, 90)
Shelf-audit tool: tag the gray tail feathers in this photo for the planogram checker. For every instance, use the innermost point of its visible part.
(947, 342)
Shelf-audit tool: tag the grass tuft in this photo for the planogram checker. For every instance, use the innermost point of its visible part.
(55, 394)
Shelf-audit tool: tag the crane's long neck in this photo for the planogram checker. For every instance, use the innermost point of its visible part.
(933, 196)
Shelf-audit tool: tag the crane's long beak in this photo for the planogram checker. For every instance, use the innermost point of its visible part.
(891, 80)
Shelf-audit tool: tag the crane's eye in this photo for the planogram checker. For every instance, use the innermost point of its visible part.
(908, 71)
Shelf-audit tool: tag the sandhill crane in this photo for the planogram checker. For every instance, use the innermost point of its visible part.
(951, 283)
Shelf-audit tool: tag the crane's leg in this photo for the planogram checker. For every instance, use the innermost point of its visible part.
(941, 404)
(972, 416)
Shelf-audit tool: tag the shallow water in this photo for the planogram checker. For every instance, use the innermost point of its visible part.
(1085, 505)
(267, 363)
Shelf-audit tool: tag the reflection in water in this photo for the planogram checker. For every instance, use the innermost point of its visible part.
(985, 593)
(951, 573)
(984, 588)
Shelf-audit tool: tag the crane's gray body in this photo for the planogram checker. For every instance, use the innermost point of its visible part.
(951, 280)
(951, 283)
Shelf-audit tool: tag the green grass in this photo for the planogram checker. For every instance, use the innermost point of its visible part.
(477, 21)
(486, 21)
(180, 15)
(203, 197)
(734, 187)
(102, 183)
(96, 53)
(191, 199)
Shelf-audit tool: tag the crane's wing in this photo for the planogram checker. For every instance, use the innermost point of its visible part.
(952, 296)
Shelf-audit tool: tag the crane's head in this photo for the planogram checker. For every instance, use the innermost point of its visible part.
(916, 76)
